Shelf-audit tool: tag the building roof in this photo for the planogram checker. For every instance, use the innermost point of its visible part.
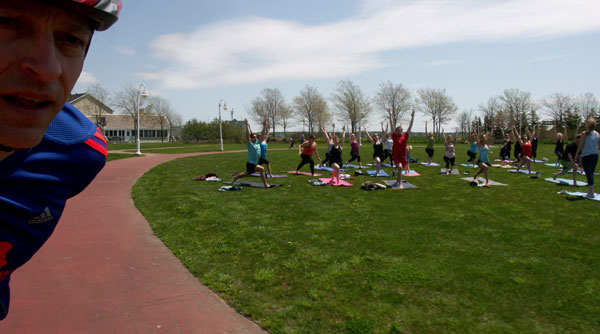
(78, 101)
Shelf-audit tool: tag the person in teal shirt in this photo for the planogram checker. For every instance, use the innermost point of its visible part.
(252, 166)
(483, 162)
(263, 138)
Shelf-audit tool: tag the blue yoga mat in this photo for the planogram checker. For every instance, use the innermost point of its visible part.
(382, 173)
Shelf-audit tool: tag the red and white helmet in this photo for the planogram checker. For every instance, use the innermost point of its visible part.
(103, 12)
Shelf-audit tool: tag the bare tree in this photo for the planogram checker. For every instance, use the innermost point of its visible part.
(103, 96)
(516, 104)
(311, 107)
(351, 103)
(557, 106)
(128, 101)
(395, 98)
(162, 108)
(436, 104)
(464, 119)
(268, 106)
(286, 118)
(588, 106)
(491, 110)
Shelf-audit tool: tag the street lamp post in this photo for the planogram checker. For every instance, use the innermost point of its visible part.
(142, 93)
(220, 126)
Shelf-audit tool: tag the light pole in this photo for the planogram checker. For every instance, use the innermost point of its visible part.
(220, 126)
(142, 93)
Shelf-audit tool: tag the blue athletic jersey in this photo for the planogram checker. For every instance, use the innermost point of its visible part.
(35, 184)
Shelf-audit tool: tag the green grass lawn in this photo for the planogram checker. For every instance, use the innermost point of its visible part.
(445, 258)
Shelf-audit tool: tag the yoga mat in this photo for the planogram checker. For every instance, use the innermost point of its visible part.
(385, 164)
(335, 183)
(410, 173)
(302, 173)
(382, 173)
(453, 172)
(580, 172)
(580, 194)
(522, 171)
(352, 166)
(481, 181)
(502, 166)
(275, 176)
(554, 165)
(538, 161)
(566, 182)
(429, 164)
(469, 166)
(405, 185)
(252, 184)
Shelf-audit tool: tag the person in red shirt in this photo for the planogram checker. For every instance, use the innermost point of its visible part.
(400, 139)
(527, 151)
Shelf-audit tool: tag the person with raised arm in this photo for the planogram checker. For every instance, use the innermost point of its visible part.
(252, 166)
(534, 135)
(389, 144)
(526, 152)
(354, 151)
(263, 138)
(306, 151)
(429, 149)
(506, 146)
(483, 161)
(449, 155)
(559, 147)
(400, 139)
(568, 160)
(335, 153)
(587, 150)
(378, 154)
(472, 151)
(328, 139)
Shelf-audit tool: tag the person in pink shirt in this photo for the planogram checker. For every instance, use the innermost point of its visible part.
(354, 153)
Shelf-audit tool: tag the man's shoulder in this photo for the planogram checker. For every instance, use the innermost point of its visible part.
(70, 127)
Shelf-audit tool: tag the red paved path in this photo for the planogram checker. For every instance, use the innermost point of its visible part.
(104, 271)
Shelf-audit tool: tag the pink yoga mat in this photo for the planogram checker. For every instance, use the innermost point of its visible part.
(335, 184)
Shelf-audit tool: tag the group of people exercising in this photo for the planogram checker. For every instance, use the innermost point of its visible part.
(582, 151)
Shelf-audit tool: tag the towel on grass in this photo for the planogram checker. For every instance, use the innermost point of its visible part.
(333, 182)
(580, 194)
(566, 182)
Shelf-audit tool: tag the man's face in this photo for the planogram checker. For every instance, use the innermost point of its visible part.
(42, 49)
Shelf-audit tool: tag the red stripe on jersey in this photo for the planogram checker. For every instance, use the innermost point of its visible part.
(98, 134)
(97, 146)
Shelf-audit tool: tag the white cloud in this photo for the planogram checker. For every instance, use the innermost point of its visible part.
(124, 50)
(87, 78)
(260, 49)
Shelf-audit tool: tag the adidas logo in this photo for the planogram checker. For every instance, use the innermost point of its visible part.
(44, 217)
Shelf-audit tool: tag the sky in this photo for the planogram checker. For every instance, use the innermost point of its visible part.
(197, 53)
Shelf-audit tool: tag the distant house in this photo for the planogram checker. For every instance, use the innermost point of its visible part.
(120, 127)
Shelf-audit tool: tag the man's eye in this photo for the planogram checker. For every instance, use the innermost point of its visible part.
(73, 40)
